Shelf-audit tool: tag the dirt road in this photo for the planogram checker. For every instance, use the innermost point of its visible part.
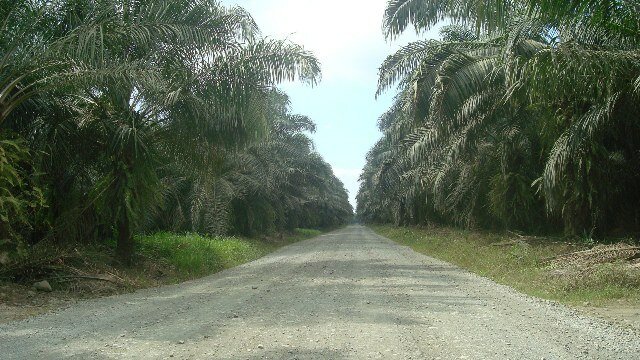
(347, 295)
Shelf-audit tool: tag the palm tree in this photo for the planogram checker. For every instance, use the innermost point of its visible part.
(271, 183)
(450, 98)
(477, 120)
(487, 16)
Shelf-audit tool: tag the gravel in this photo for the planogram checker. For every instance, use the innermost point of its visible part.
(350, 294)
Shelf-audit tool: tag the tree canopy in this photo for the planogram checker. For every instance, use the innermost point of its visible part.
(125, 116)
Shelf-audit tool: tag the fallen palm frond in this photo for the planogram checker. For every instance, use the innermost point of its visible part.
(600, 254)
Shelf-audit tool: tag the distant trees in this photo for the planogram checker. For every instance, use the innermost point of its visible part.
(525, 115)
(152, 114)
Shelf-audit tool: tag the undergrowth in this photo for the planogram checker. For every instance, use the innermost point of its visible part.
(90, 270)
(191, 256)
(161, 258)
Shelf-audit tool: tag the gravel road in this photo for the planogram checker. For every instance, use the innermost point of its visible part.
(350, 294)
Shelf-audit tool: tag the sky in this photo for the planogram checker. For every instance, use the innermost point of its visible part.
(346, 36)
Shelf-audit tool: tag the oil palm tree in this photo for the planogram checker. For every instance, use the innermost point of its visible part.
(141, 88)
(547, 87)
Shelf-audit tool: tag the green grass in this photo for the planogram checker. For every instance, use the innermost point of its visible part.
(523, 267)
(194, 255)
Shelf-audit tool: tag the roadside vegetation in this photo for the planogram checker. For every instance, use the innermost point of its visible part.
(528, 264)
(120, 118)
(88, 271)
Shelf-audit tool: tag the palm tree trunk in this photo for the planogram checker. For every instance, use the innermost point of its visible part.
(124, 246)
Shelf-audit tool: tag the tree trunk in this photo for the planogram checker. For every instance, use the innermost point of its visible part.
(124, 247)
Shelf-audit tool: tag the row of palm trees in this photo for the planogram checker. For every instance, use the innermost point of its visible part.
(121, 116)
(524, 115)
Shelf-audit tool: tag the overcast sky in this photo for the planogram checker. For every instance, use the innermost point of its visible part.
(346, 36)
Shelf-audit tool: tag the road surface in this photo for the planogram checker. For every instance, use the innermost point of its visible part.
(350, 294)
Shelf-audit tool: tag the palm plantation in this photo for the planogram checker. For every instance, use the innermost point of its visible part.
(120, 117)
(146, 143)
(524, 115)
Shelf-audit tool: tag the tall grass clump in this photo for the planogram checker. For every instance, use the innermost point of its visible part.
(195, 255)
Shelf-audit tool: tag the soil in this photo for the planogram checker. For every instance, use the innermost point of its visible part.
(622, 314)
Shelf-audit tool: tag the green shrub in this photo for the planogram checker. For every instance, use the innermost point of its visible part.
(195, 255)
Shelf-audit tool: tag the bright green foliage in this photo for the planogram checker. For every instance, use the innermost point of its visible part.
(151, 114)
(524, 115)
(196, 255)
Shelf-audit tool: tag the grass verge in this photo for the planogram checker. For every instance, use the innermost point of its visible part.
(193, 255)
(523, 266)
(90, 271)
